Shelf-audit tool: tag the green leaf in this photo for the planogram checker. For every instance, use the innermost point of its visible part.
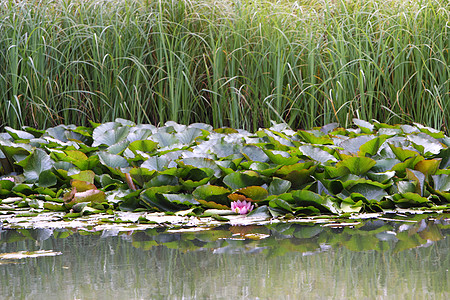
(109, 134)
(365, 126)
(357, 165)
(86, 175)
(18, 134)
(164, 139)
(155, 163)
(112, 160)
(36, 163)
(147, 146)
(278, 186)
(253, 192)
(313, 139)
(369, 191)
(317, 154)
(280, 203)
(371, 147)
(441, 182)
(212, 193)
(47, 179)
(239, 180)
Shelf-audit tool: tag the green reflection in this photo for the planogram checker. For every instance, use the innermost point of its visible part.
(375, 259)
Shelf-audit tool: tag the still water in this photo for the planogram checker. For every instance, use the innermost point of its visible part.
(373, 260)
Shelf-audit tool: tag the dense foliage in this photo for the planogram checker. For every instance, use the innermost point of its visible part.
(123, 166)
(233, 63)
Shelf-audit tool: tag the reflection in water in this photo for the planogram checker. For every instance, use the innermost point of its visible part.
(375, 260)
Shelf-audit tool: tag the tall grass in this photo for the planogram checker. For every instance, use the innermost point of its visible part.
(237, 63)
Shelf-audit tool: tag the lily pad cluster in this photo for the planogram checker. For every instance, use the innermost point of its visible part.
(373, 167)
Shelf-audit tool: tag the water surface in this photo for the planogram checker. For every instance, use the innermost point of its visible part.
(373, 260)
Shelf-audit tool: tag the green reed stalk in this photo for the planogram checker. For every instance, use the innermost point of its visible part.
(233, 63)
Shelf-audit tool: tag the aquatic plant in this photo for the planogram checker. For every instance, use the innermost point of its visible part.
(372, 167)
(242, 208)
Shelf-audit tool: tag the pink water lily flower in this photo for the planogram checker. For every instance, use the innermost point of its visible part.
(241, 207)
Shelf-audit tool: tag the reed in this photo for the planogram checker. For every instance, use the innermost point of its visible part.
(234, 63)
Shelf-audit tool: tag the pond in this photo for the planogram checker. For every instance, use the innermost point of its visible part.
(372, 259)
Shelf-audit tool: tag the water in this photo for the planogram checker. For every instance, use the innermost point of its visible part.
(376, 260)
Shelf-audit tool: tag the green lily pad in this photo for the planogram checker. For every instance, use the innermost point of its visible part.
(357, 165)
(109, 134)
(112, 161)
(278, 186)
(238, 180)
(36, 163)
(255, 193)
(212, 193)
(317, 154)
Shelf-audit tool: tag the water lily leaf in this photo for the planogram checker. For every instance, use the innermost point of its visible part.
(329, 127)
(164, 139)
(47, 179)
(152, 197)
(281, 157)
(428, 167)
(285, 170)
(147, 146)
(226, 130)
(333, 172)
(86, 175)
(425, 143)
(18, 134)
(384, 165)
(155, 163)
(95, 196)
(253, 153)
(381, 177)
(106, 181)
(400, 168)
(406, 186)
(365, 126)
(119, 147)
(371, 147)
(239, 180)
(184, 199)
(212, 193)
(403, 154)
(260, 212)
(278, 186)
(213, 205)
(369, 191)
(357, 165)
(317, 154)
(407, 200)
(82, 186)
(200, 162)
(141, 175)
(162, 180)
(109, 134)
(441, 182)
(280, 203)
(189, 135)
(34, 164)
(417, 177)
(54, 206)
(255, 193)
(300, 177)
(307, 211)
(6, 184)
(112, 161)
(352, 145)
(305, 198)
(313, 139)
